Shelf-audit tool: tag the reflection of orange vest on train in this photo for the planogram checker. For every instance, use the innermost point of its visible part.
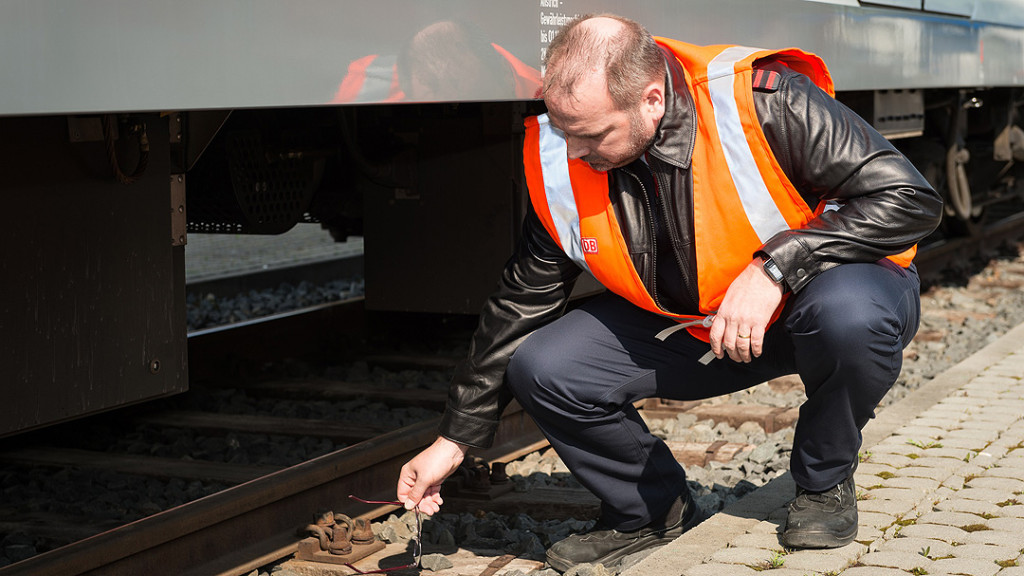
(741, 197)
(374, 78)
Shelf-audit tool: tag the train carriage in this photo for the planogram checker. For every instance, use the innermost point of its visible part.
(127, 125)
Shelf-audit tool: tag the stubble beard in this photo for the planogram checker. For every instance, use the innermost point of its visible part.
(639, 142)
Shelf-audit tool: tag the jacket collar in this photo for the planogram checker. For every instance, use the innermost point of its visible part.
(677, 132)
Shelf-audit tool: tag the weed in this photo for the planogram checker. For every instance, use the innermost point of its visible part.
(924, 445)
(974, 528)
(925, 551)
(913, 456)
(1009, 502)
(918, 571)
(863, 456)
(885, 475)
(1006, 563)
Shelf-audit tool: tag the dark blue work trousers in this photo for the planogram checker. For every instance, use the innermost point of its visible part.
(578, 377)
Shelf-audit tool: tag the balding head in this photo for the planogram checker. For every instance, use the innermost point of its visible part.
(617, 48)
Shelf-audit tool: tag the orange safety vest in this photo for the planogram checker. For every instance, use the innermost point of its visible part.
(741, 197)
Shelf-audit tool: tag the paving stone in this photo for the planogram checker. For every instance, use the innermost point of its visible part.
(941, 422)
(1004, 471)
(902, 560)
(1007, 525)
(966, 566)
(963, 504)
(738, 555)
(867, 534)
(966, 443)
(958, 519)
(997, 425)
(762, 540)
(1010, 485)
(921, 485)
(986, 436)
(1011, 511)
(1015, 459)
(948, 534)
(783, 571)
(871, 468)
(960, 401)
(766, 527)
(916, 432)
(927, 547)
(899, 494)
(985, 494)
(936, 474)
(950, 464)
(898, 507)
(892, 454)
(875, 519)
(953, 452)
(817, 561)
(864, 571)
(996, 538)
(715, 569)
(986, 552)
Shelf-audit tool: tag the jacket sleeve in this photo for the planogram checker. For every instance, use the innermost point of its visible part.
(830, 153)
(533, 291)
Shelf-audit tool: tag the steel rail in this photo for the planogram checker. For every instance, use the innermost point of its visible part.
(934, 258)
(247, 526)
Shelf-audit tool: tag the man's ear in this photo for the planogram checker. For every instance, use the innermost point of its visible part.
(652, 101)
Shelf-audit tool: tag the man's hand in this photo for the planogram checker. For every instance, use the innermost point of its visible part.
(419, 484)
(741, 320)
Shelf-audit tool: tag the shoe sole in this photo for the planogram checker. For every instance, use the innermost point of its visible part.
(817, 540)
(563, 564)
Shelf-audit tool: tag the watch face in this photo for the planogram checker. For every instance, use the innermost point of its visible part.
(773, 271)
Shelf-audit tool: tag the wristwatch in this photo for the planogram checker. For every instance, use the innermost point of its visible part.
(773, 272)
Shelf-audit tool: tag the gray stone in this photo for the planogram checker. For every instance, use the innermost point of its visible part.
(435, 562)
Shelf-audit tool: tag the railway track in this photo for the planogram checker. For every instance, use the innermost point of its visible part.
(257, 518)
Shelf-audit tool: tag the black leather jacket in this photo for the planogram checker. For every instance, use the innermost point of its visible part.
(828, 153)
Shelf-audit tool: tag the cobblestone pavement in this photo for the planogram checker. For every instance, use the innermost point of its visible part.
(939, 492)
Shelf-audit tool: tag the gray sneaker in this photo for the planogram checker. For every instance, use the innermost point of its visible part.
(822, 519)
(603, 545)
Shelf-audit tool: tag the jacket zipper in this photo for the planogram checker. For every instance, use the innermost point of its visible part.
(653, 273)
(691, 286)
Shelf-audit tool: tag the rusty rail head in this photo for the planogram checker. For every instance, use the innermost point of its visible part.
(265, 513)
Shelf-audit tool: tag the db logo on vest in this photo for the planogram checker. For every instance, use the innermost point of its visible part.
(589, 245)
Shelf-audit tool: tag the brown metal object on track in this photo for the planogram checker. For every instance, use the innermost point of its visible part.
(262, 515)
(497, 564)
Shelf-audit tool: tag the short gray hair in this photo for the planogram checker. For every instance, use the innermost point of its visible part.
(631, 59)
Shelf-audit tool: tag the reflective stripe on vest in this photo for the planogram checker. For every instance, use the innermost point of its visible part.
(762, 213)
(561, 203)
